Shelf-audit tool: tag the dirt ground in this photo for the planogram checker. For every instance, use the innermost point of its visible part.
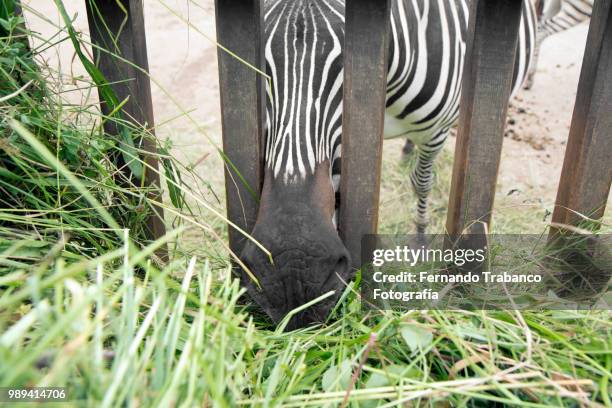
(183, 64)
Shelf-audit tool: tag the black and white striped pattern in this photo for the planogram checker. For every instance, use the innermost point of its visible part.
(558, 16)
(425, 79)
(304, 60)
(572, 13)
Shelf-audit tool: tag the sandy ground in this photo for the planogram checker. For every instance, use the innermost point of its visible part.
(183, 63)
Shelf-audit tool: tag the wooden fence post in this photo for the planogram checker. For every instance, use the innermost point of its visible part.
(487, 80)
(587, 168)
(18, 11)
(239, 29)
(116, 31)
(365, 84)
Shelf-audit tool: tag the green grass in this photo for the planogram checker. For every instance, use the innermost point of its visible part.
(111, 336)
(85, 305)
(527, 212)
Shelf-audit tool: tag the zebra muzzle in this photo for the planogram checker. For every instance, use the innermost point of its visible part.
(309, 260)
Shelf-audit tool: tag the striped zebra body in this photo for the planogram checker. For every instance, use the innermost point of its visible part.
(304, 60)
(561, 15)
(571, 13)
(424, 81)
(299, 198)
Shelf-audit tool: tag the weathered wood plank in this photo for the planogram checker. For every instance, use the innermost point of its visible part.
(487, 80)
(239, 29)
(365, 78)
(112, 29)
(587, 168)
(18, 9)
(22, 29)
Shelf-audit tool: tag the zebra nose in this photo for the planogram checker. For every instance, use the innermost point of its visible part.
(340, 271)
(305, 265)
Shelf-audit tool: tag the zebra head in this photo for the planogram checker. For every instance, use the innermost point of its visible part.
(296, 219)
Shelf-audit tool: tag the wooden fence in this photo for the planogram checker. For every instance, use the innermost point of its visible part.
(239, 29)
(587, 169)
(119, 48)
(117, 27)
(491, 44)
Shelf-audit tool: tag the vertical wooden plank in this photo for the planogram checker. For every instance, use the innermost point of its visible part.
(22, 29)
(587, 168)
(365, 82)
(487, 79)
(19, 36)
(239, 29)
(118, 26)
(18, 9)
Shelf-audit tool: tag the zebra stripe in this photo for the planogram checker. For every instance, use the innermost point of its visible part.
(304, 108)
(572, 13)
(569, 13)
(304, 60)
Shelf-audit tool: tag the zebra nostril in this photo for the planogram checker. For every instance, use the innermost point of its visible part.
(341, 267)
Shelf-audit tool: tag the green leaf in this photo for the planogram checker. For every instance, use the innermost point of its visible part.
(337, 377)
(469, 331)
(390, 375)
(416, 337)
(345, 374)
(377, 380)
(173, 179)
(329, 378)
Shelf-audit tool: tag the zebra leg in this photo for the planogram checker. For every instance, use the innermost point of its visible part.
(422, 178)
(559, 17)
(540, 37)
(408, 148)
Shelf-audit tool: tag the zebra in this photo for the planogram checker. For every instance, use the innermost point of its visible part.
(303, 52)
(557, 16)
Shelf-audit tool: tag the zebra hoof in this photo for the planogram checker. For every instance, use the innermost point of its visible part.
(528, 84)
(420, 235)
(407, 151)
